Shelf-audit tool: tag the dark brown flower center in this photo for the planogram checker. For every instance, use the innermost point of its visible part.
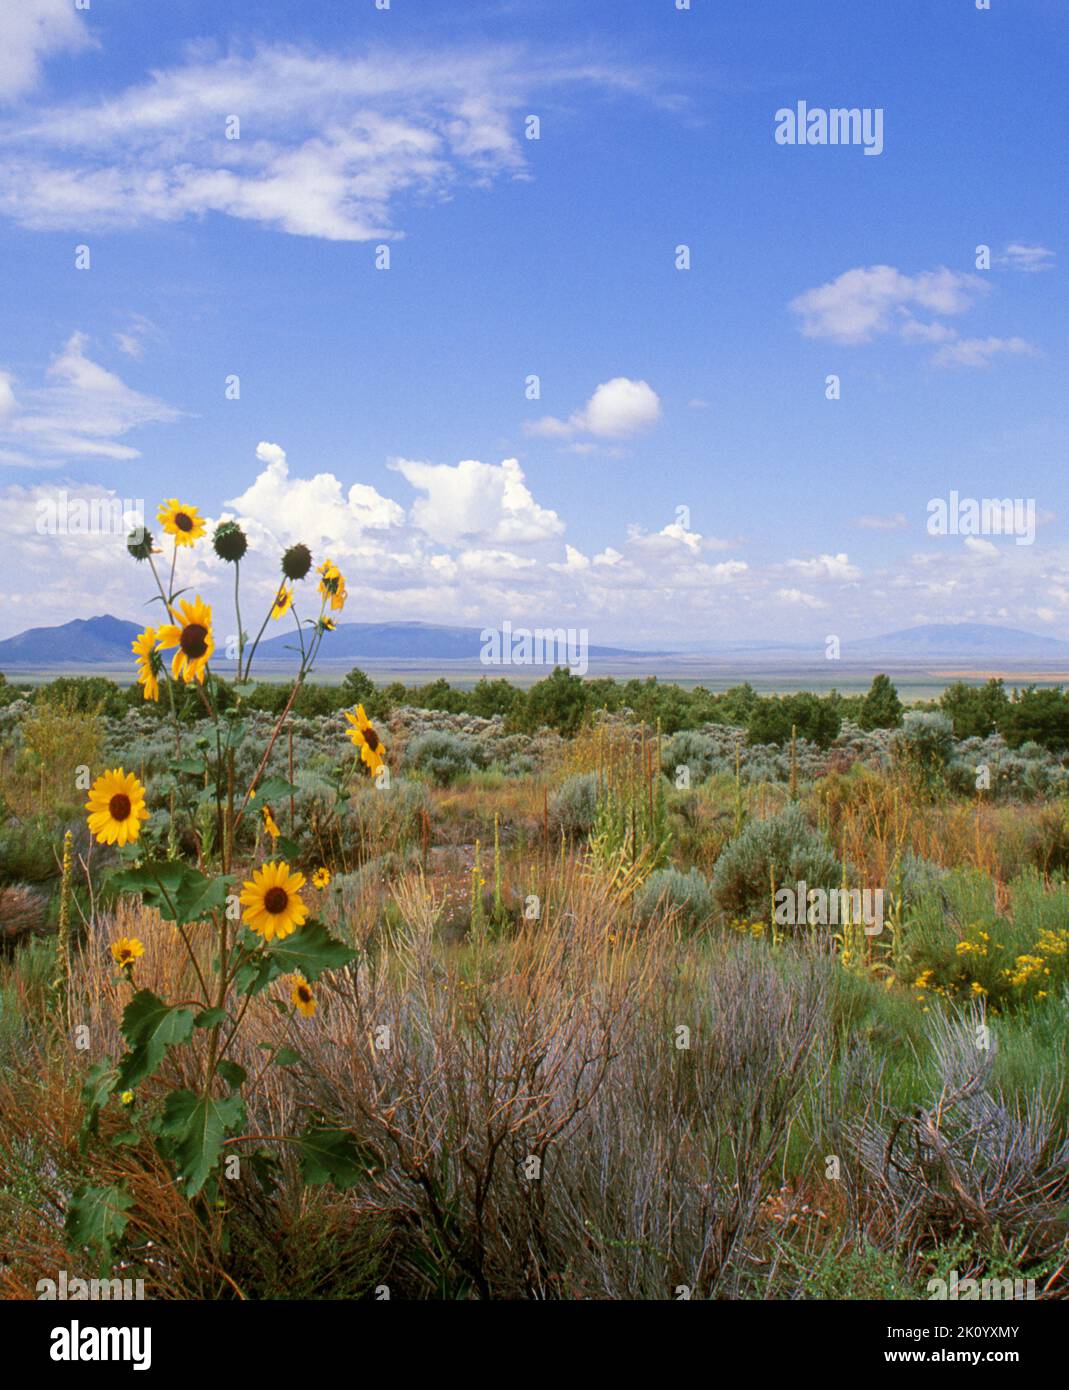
(276, 900)
(119, 806)
(304, 994)
(372, 739)
(183, 521)
(194, 640)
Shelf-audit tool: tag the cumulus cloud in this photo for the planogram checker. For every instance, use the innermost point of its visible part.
(31, 31)
(472, 499)
(82, 410)
(799, 596)
(863, 303)
(319, 510)
(329, 141)
(617, 408)
(827, 567)
(873, 301)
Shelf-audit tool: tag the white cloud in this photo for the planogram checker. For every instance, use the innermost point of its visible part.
(895, 521)
(318, 510)
(31, 30)
(827, 567)
(798, 596)
(863, 303)
(978, 546)
(477, 500)
(329, 141)
(980, 352)
(82, 411)
(1019, 256)
(617, 408)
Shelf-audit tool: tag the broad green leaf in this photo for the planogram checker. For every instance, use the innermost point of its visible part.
(332, 1155)
(309, 951)
(194, 765)
(99, 1084)
(150, 1026)
(209, 1018)
(232, 1073)
(274, 789)
(96, 1216)
(197, 1125)
(177, 892)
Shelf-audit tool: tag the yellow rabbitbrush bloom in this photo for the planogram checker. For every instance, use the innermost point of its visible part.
(191, 634)
(126, 950)
(116, 807)
(272, 901)
(303, 996)
(185, 524)
(363, 735)
(149, 664)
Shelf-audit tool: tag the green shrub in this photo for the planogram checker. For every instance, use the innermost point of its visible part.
(443, 757)
(574, 805)
(687, 894)
(784, 849)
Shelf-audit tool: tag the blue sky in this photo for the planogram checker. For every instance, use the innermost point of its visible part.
(661, 388)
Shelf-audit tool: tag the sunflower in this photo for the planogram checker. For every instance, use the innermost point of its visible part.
(327, 624)
(192, 636)
(149, 664)
(332, 584)
(283, 602)
(321, 878)
(272, 901)
(269, 823)
(125, 951)
(185, 524)
(116, 807)
(302, 996)
(366, 739)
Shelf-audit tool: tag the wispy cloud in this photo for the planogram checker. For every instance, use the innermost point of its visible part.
(1019, 256)
(328, 142)
(81, 411)
(31, 31)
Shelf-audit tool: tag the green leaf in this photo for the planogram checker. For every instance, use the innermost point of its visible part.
(99, 1084)
(309, 951)
(233, 1074)
(274, 789)
(150, 1026)
(287, 847)
(210, 1018)
(285, 1057)
(197, 1125)
(194, 765)
(177, 892)
(96, 1216)
(332, 1155)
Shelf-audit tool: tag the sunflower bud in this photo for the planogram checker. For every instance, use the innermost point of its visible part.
(139, 543)
(296, 562)
(230, 541)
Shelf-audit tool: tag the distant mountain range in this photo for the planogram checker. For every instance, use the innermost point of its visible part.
(105, 641)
